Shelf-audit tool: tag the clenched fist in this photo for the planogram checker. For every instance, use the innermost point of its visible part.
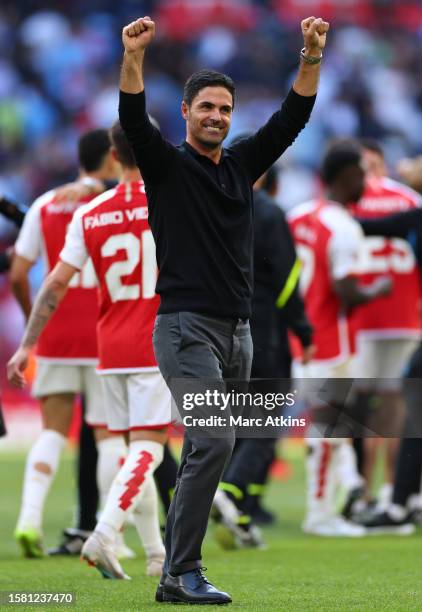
(137, 35)
(314, 33)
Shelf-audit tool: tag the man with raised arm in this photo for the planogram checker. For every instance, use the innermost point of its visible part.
(200, 212)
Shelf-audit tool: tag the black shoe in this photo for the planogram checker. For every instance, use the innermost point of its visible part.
(383, 524)
(159, 593)
(73, 540)
(351, 506)
(192, 587)
(260, 516)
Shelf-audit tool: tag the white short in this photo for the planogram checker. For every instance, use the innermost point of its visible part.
(136, 401)
(53, 379)
(309, 381)
(383, 360)
(324, 369)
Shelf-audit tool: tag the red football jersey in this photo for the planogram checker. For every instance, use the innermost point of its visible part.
(396, 315)
(70, 334)
(113, 230)
(327, 241)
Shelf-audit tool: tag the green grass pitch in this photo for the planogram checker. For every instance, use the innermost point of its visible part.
(296, 572)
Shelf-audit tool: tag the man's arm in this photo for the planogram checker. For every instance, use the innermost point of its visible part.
(19, 282)
(261, 150)
(352, 294)
(12, 211)
(51, 293)
(152, 152)
(344, 249)
(397, 225)
(27, 251)
(286, 272)
(135, 37)
(314, 37)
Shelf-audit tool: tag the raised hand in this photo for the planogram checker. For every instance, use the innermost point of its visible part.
(314, 33)
(137, 35)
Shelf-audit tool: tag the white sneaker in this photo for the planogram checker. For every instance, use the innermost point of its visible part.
(122, 550)
(332, 527)
(155, 565)
(98, 551)
(385, 495)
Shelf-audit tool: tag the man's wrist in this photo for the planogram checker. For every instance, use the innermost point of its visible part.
(134, 56)
(313, 51)
(311, 56)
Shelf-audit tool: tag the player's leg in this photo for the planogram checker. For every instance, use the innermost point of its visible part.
(165, 478)
(133, 402)
(43, 459)
(149, 414)
(111, 447)
(230, 510)
(383, 360)
(73, 538)
(88, 495)
(400, 515)
(188, 345)
(242, 483)
(399, 356)
(328, 459)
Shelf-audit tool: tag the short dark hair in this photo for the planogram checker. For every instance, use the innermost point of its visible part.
(122, 146)
(206, 78)
(372, 145)
(338, 156)
(93, 146)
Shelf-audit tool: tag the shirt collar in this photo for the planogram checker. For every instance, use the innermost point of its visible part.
(199, 156)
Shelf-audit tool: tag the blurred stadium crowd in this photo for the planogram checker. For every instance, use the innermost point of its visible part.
(59, 72)
(60, 63)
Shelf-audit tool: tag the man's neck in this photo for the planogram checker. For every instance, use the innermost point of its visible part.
(130, 175)
(335, 196)
(213, 154)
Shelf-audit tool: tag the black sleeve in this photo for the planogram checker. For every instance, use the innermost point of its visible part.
(296, 319)
(12, 211)
(261, 150)
(285, 269)
(153, 154)
(280, 248)
(397, 225)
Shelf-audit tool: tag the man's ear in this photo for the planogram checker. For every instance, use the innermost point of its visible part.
(185, 110)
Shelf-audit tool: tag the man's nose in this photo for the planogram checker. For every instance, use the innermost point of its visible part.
(215, 115)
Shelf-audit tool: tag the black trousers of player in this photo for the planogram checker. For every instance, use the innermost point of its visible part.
(409, 461)
(252, 457)
(196, 346)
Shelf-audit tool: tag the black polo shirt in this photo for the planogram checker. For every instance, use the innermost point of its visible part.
(201, 213)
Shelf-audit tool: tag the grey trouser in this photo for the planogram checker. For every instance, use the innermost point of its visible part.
(191, 345)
